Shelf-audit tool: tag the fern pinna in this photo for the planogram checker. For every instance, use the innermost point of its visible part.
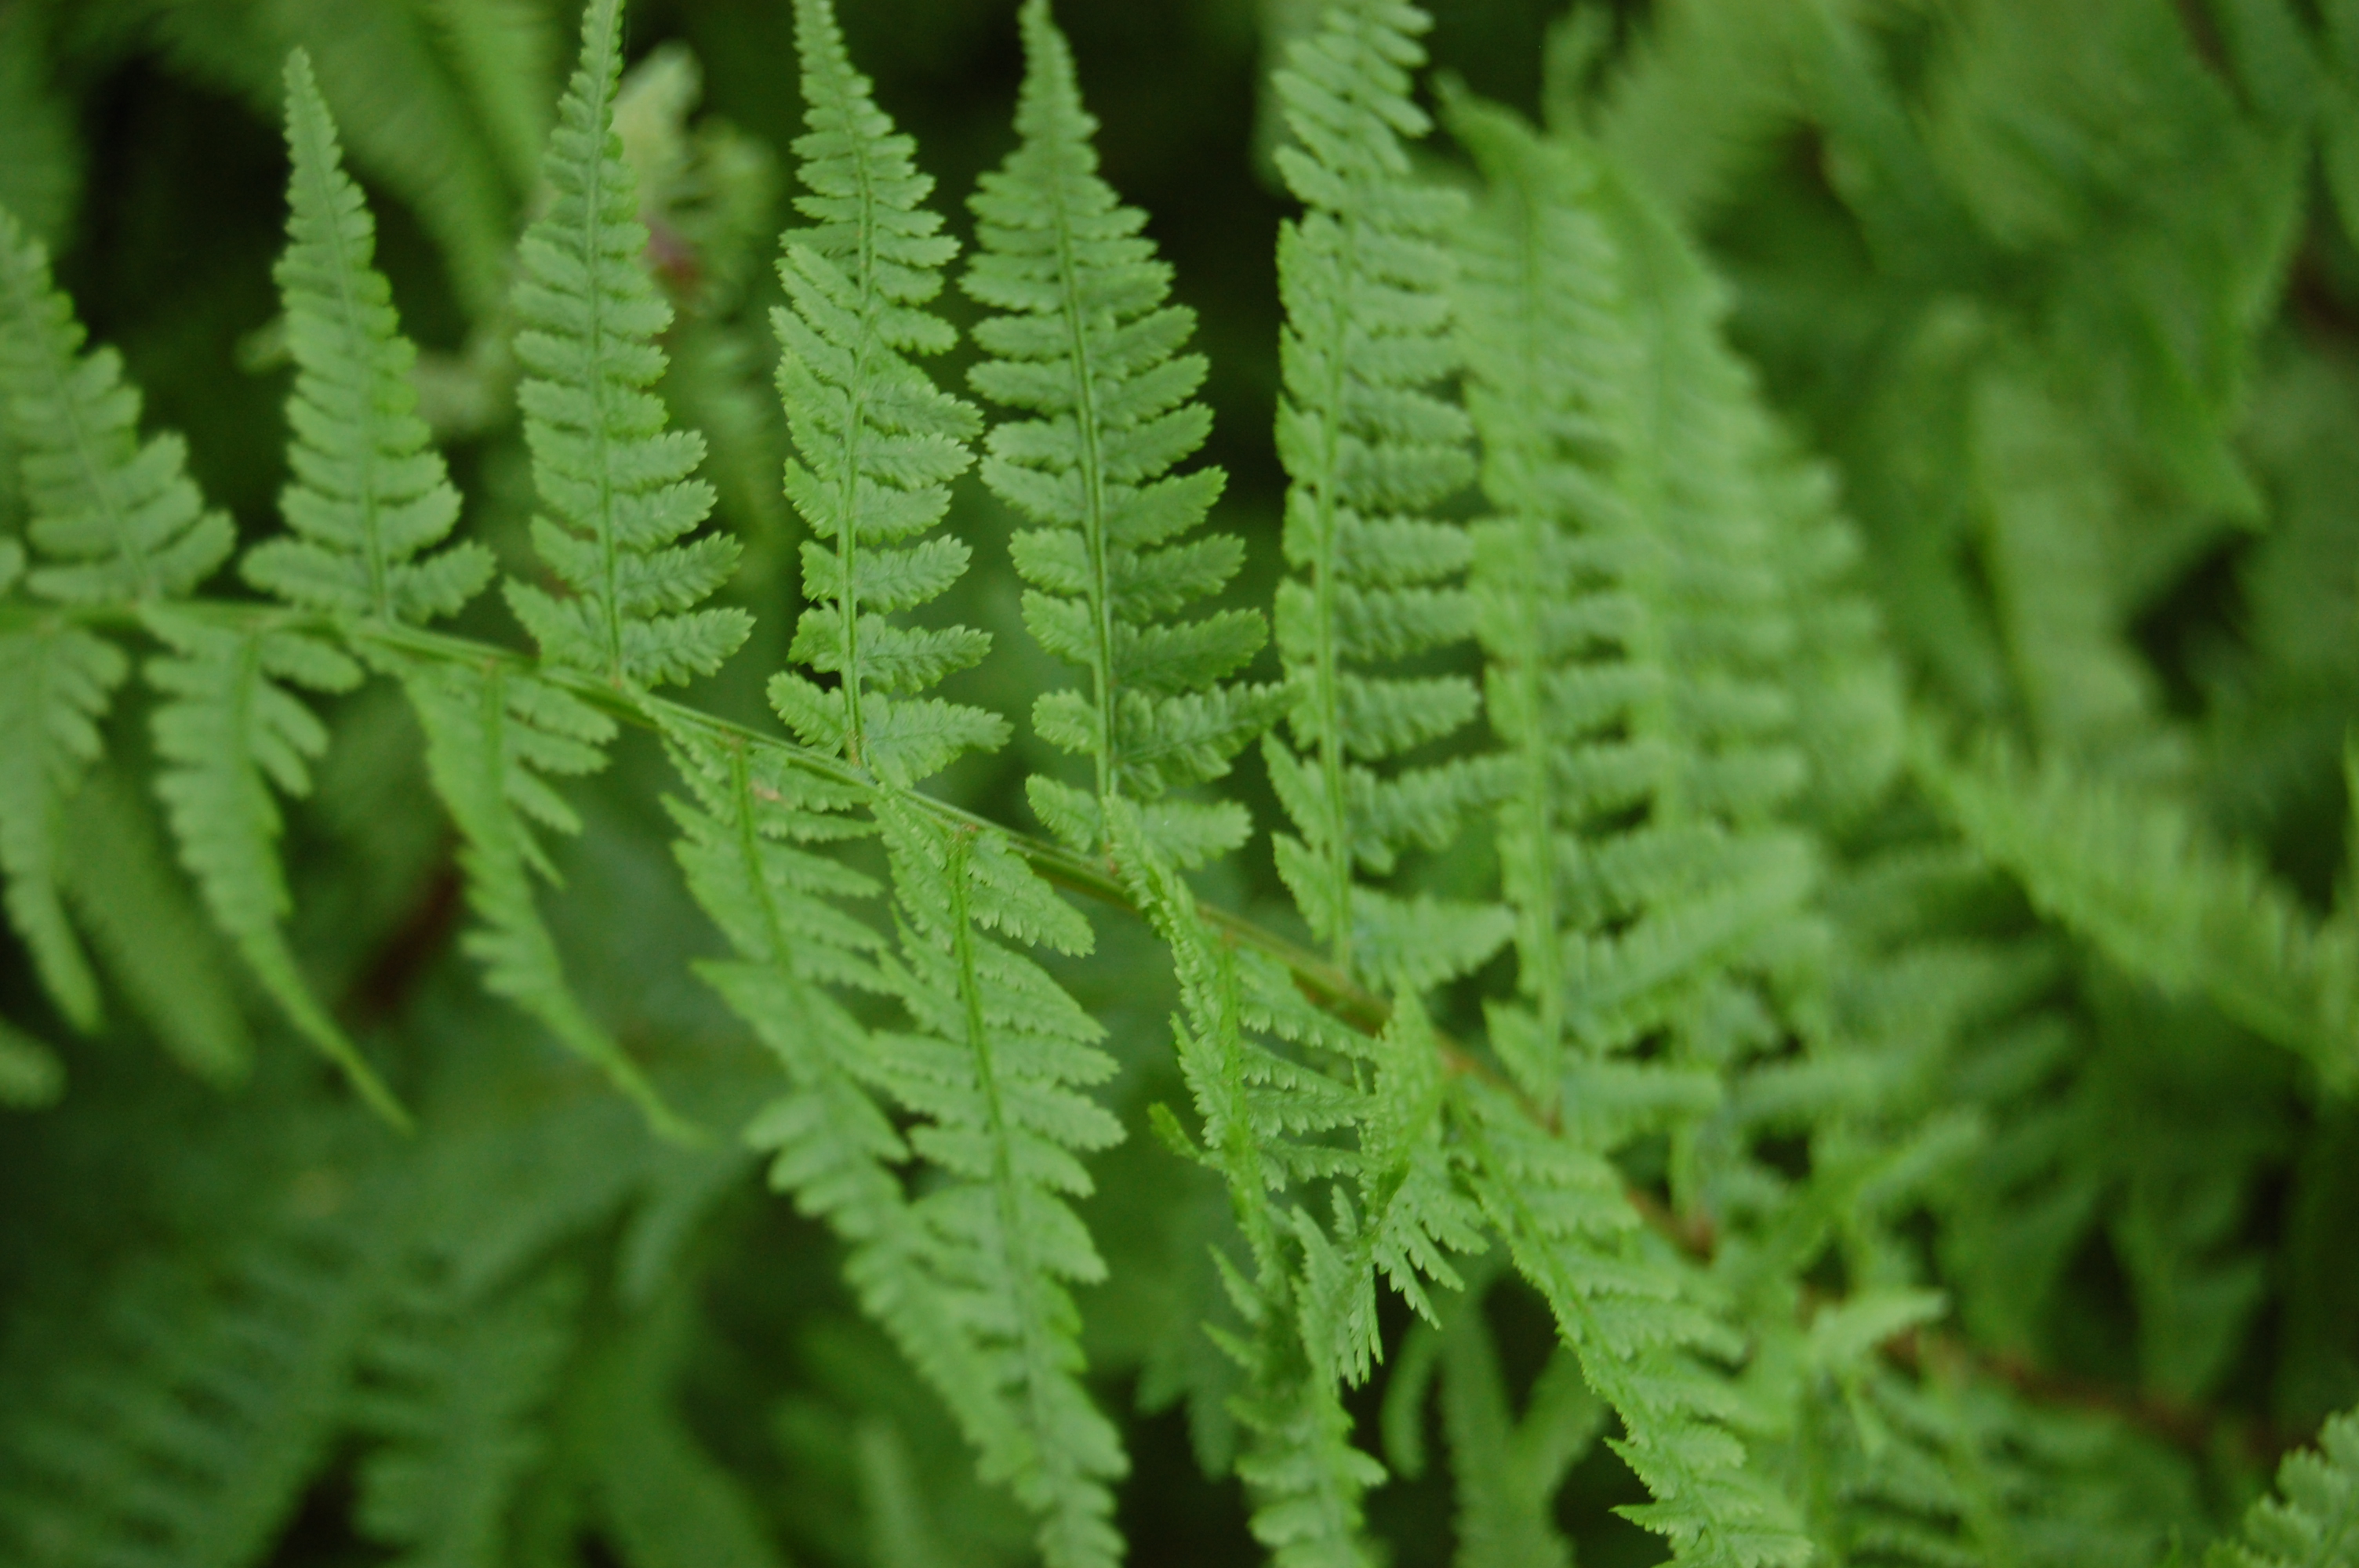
(1088, 344)
(1762, 1056)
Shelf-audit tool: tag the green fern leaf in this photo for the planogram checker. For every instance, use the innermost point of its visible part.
(2130, 874)
(877, 442)
(619, 487)
(227, 731)
(1087, 344)
(1631, 1317)
(370, 493)
(56, 682)
(183, 1437)
(1370, 449)
(2315, 1522)
(996, 1063)
(113, 519)
(492, 734)
(830, 1143)
(451, 1389)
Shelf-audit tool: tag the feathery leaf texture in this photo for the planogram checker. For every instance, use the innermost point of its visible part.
(996, 1059)
(1087, 343)
(370, 494)
(185, 1439)
(1635, 618)
(1370, 449)
(877, 442)
(749, 845)
(1631, 1316)
(493, 736)
(113, 519)
(1269, 1115)
(2128, 872)
(619, 487)
(451, 1390)
(56, 683)
(227, 730)
(2315, 1522)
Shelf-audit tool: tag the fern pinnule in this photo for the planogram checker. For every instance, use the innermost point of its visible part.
(1370, 448)
(997, 1060)
(113, 519)
(370, 497)
(228, 732)
(620, 485)
(1086, 342)
(56, 684)
(877, 442)
(2314, 1523)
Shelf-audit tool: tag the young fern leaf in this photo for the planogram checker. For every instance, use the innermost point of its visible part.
(492, 735)
(2315, 1522)
(877, 442)
(2131, 875)
(620, 486)
(114, 520)
(1087, 344)
(227, 731)
(1369, 450)
(371, 497)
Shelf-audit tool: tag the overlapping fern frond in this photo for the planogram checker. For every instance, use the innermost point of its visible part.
(1087, 344)
(2129, 874)
(619, 487)
(1371, 448)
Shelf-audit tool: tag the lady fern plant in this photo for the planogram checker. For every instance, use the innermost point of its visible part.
(1685, 1049)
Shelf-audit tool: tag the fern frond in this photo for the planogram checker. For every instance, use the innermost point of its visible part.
(877, 442)
(227, 731)
(2314, 1522)
(113, 519)
(1633, 1319)
(450, 1393)
(370, 493)
(830, 1141)
(2133, 876)
(997, 1064)
(31, 1076)
(493, 736)
(1087, 344)
(56, 683)
(184, 1437)
(1370, 449)
(618, 485)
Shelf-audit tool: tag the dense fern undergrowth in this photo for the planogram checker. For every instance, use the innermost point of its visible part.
(1685, 893)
